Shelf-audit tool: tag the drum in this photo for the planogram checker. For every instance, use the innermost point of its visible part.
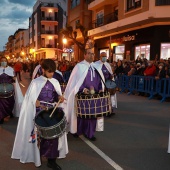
(6, 90)
(111, 86)
(92, 105)
(50, 127)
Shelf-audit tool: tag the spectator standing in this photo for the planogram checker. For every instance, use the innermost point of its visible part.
(17, 69)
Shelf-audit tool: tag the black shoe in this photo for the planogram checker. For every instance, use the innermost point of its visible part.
(52, 164)
(11, 115)
(111, 114)
(1, 121)
(92, 138)
(75, 135)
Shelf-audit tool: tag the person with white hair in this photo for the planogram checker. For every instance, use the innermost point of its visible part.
(106, 69)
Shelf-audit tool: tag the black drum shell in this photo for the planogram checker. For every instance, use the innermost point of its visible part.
(50, 127)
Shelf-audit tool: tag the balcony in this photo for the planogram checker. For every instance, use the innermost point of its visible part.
(47, 31)
(45, 6)
(50, 20)
(49, 46)
(94, 4)
(106, 19)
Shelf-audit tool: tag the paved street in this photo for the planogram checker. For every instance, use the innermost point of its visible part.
(136, 138)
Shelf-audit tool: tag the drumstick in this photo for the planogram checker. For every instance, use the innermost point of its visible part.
(55, 108)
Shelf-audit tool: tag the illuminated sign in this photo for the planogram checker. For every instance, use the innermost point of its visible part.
(67, 50)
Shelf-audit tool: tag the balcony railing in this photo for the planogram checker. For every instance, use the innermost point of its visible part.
(106, 19)
(47, 32)
(48, 19)
(49, 46)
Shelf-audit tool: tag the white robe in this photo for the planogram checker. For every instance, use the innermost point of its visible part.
(59, 72)
(35, 71)
(99, 65)
(18, 93)
(75, 81)
(22, 149)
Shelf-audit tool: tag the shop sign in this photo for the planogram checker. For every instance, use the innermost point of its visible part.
(67, 50)
(129, 38)
(124, 38)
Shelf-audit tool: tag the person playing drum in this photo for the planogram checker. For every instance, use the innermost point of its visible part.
(103, 65)
(10, 96)
(42, 93)
(83, 79)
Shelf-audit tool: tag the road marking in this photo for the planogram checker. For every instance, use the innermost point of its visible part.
(21, 84)
(102, 154)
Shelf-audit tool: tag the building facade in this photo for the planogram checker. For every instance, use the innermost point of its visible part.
(77, 13)
(18, 45)
(127, 29)
(44, 28)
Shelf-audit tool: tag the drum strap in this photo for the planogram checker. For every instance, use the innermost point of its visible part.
(102, 80)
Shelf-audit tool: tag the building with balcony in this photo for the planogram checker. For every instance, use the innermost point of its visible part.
(47, 19)
(18, 45)
(126, 29)
(77, 13)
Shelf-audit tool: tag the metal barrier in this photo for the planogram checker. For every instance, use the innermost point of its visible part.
(145, 84)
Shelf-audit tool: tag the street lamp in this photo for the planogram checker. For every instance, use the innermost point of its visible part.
(64, 41)
(32, 52)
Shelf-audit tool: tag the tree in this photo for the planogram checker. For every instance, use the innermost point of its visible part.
(69, 33)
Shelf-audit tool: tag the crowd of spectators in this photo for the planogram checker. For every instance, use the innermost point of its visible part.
(142, 67)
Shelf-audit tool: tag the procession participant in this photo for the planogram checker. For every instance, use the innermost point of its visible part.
(10, 104)
(103, 65)
(83, 77)
(43, 89)
(58, 75)
(37, 71)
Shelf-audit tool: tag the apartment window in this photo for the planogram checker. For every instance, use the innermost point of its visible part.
(76, 23)
(100, 18)
(43, 14)
(30, 34)
(133, 4)
(162, 2)
(43, 42)
(74, 3)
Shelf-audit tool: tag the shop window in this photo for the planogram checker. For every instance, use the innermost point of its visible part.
(162, 2)
(165, 51)
(142, 51)
(119, 52)
(132, 4)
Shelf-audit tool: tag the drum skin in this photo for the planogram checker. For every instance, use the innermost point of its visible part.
(50, 127)
(6, 90)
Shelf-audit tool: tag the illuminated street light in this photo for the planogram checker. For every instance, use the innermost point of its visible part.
(64, 41)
